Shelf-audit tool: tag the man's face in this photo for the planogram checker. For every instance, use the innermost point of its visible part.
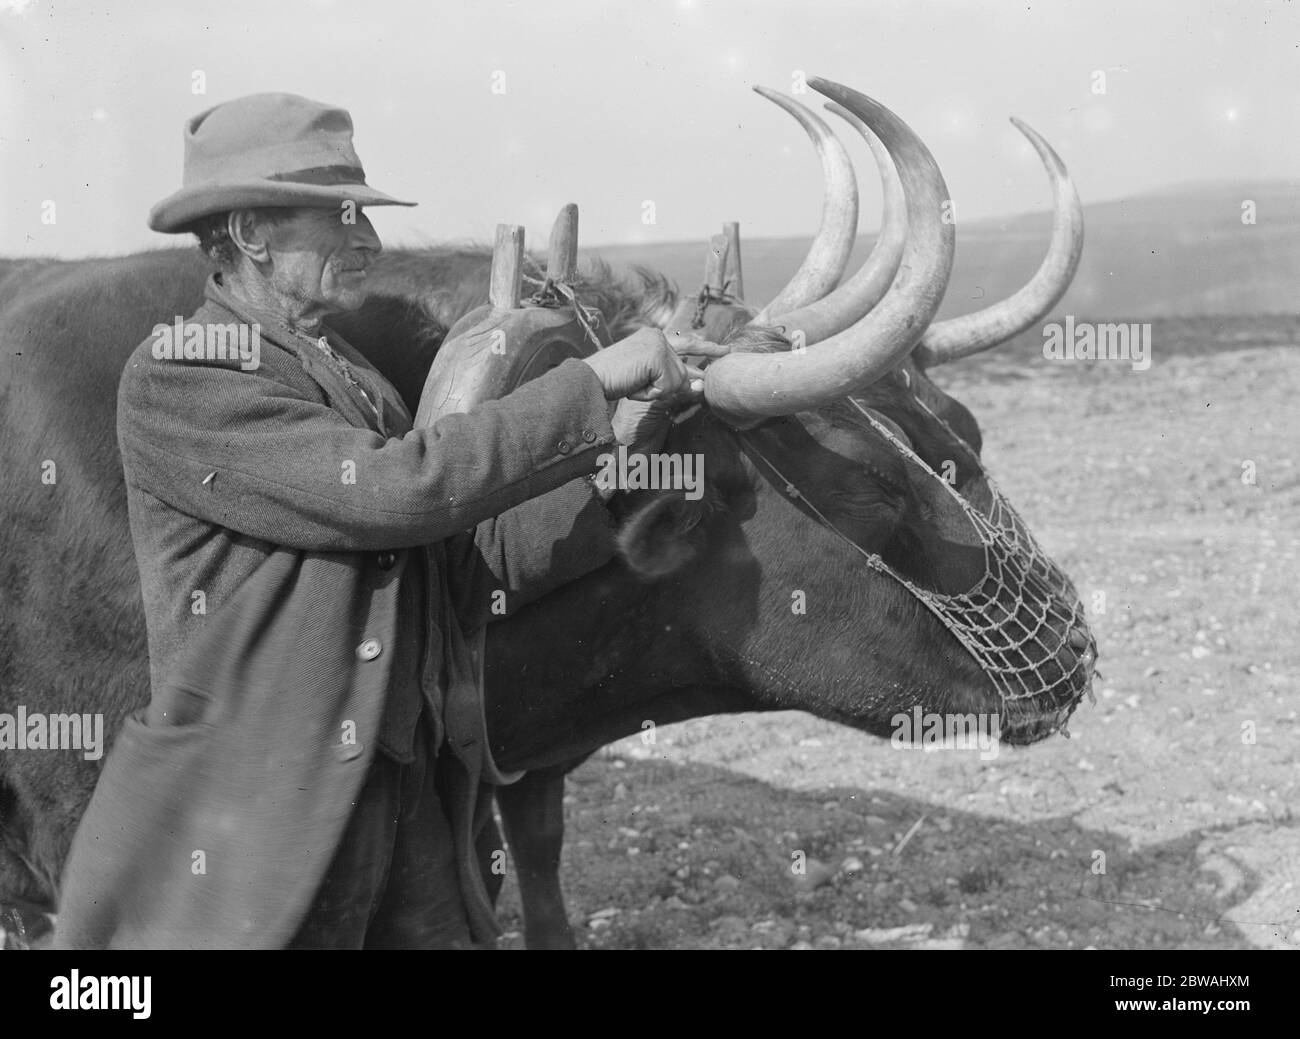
(321, 260)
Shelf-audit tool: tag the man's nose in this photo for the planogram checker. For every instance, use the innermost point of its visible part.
(365, 237)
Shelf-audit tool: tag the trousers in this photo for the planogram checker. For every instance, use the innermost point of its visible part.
(392, 883)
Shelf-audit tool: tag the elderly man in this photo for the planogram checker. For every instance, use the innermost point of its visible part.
(308, 562)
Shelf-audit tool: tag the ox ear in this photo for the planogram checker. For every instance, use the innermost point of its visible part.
(662, 534)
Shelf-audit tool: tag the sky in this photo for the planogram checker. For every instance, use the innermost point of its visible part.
(490, 111)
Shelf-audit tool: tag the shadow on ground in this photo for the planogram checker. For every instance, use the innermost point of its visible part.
(661, 855)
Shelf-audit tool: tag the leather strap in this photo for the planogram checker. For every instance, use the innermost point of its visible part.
(464, 712)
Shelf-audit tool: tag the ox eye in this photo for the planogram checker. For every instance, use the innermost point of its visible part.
(877, 483)
(863, 500)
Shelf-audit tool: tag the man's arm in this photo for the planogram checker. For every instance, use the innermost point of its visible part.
(507, 562)
(527, 552)
(250, 453)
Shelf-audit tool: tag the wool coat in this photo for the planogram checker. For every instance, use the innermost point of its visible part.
(276, 509)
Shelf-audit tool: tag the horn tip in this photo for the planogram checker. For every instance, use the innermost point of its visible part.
(845, 96)
(1033, 135)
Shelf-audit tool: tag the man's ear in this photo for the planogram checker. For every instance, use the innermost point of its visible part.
(662, 535)
(249, 234)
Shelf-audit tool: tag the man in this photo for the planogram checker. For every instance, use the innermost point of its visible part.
(308, 563)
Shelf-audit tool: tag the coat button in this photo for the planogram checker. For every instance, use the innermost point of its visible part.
(385, 560)
(589, 436)
(347, 751)
(563, 447)
(369, 649)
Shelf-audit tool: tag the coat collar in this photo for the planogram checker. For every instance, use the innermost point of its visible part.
(393, 418)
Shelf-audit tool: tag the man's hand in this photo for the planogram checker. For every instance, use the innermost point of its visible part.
(648, 366)
(641, 426)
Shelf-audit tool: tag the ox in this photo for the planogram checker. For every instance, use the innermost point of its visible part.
(820, 479)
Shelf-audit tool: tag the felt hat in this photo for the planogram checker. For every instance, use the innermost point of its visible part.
(266, 150)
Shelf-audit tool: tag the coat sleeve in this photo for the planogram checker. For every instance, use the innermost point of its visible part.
(252, 453)
(527, 552)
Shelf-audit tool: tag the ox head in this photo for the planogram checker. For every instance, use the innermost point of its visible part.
(887, 571)
(849, 556)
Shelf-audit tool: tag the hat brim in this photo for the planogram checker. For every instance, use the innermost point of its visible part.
(176, 212)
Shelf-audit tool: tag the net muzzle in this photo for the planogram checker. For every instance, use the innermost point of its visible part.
(1021, 621)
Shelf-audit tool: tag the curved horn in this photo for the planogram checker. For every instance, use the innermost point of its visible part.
(829, 254)
(868, 286)
(747, 387)
(962, 336)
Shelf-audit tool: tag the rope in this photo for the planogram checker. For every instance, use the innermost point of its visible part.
(708, 295)
(554, 294)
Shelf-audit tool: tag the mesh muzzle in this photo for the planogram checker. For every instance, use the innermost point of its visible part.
(1016, 621)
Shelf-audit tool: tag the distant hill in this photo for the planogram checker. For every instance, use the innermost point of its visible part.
(1178, 251)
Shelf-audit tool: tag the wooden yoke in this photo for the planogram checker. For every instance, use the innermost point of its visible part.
(722, 278)
(497, 347)
(486, 355)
